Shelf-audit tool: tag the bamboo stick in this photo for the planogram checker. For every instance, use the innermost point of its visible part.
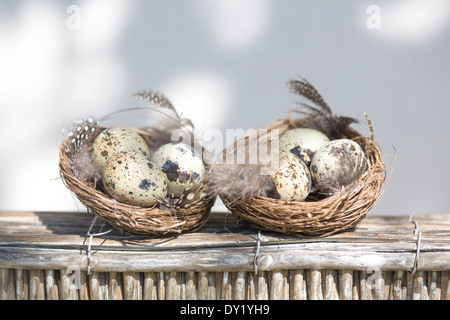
(298, 285)
(21, 284)
(98, 289)
(399, 286)
(446, 286)
(227, 287)
(239, 286)
(182, 285)
(150, 286)
(161, 292)
(315, 284)
(251, 286)
(331, 285)
(173, 286)
(132, 289)
(379, 285)
(115, 286)
(212, 292)
(6, 284)
(277, 284)
(356, 291)
(64, 285)
(191, 287)
(202, 286)
(262, 285)
(83, 291)
(434, 285)
(365, 286)
(51, 285)
(419, 286)
(37, 284)
(286, 284)
(345, 284)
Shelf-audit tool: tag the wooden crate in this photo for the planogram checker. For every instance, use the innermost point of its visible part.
(45, 256)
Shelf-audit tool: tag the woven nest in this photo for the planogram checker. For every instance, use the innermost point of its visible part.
(169, 216)
(319, 214)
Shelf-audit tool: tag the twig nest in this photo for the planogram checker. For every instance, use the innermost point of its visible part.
(111, 172)
(347, 173)
(336, 164)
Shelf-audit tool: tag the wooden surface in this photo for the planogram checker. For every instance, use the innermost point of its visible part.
(44, 256)
(57, 240)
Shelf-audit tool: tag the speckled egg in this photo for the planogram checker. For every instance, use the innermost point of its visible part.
(134, 179)
(182, 165)
(290, 180)
(113, 140)
(336, 164)
(303, 142)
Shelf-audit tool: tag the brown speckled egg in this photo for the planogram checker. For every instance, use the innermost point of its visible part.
(336, 164)
(134, 179)
(290, 180)
(182, 165)
(303, 142)
(115, 140)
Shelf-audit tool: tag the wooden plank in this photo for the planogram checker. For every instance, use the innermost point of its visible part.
(384, 243)
(213, 234)
(271, 257)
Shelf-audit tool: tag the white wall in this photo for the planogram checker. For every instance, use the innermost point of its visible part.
(224, 63)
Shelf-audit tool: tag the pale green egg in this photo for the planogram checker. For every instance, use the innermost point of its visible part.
(290, 180)
(303, 142)
(132, 178)
(337, 164)
(113, 140)
(182, 165)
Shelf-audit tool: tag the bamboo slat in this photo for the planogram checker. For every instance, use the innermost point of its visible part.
(44, 256)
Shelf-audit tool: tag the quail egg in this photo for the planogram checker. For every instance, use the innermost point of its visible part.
(134, 179)
(303, 142)
(182, 165)
(290, 180)
(336, 164)
(113, 140)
